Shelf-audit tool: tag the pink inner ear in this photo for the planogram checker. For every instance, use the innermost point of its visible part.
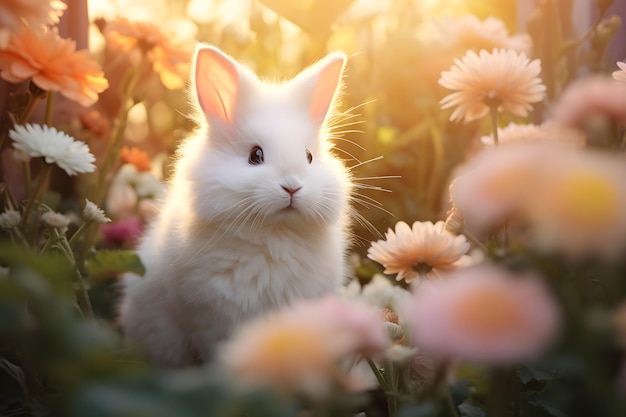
(216, 84)
(324, 89)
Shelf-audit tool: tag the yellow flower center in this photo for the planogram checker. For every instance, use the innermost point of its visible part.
(285, 346)
(589, 199)
(487, 312)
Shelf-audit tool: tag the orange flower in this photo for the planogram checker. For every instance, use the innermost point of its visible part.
(13, 13)
(169, 59)
(137, 157)
(53, 64)
(95, 122)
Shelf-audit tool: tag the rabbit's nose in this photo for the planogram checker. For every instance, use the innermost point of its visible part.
(290, 190)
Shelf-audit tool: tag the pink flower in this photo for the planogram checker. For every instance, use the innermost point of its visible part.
(298, 349)
(484, 314)
(544, 132)
(566, 199)
(578, 210)
(122, 233)
(491, 188)
(594, 95)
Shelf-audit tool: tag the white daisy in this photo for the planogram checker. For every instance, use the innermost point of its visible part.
(10, 219)
(54, 219)
(94, 214)
(56, 147)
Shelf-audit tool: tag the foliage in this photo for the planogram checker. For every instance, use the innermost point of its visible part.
(60, 350)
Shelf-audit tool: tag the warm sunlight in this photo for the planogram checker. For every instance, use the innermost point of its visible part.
(312, 208)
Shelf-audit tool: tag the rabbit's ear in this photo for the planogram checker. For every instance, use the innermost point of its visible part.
(319, 84)
(217, 83)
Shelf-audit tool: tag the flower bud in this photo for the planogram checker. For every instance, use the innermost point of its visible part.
(394, 331)
(603, 5)
(455, 222)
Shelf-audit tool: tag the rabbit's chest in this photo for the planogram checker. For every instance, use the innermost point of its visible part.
(257, 277)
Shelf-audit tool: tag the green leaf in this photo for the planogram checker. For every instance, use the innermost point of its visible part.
(106, 263)
(530, 374)
(426, 409)
(468, 410)
(15, 372)
(55, 269)
(546, 403)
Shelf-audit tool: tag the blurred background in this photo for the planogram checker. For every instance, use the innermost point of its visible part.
(397, 139)
(397, 48)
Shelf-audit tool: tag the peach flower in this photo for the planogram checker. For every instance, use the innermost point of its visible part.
(484, 314)
(53, 64)
(504, 78)
(36, 13)
(421, 251)
(468, 32)
(529, 132)
(169, 59)
(298, 349)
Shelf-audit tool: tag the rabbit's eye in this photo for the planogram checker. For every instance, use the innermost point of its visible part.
(309, 156)
(256, 156)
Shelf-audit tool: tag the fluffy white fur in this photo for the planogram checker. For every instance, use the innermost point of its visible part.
(230, 242)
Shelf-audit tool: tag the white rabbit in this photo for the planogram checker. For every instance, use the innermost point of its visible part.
(256, 214)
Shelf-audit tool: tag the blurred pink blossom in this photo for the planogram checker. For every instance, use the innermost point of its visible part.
(122, 233)
(484, 314)
(594, 95)
(298, 349)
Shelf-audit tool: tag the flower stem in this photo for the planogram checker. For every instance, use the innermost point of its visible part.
(33, 100)
(82, 297)
(450, 407)
(78, 232)
(385, 386)
(82, 294)
(392, 382)
(377, 374)
(49, 105)
(27, 177)
(438, 158)
(499, 395)
(37, 192)
(115, 139)
(30, 107)
(593, 28)
(470, 236)
(493, 110)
